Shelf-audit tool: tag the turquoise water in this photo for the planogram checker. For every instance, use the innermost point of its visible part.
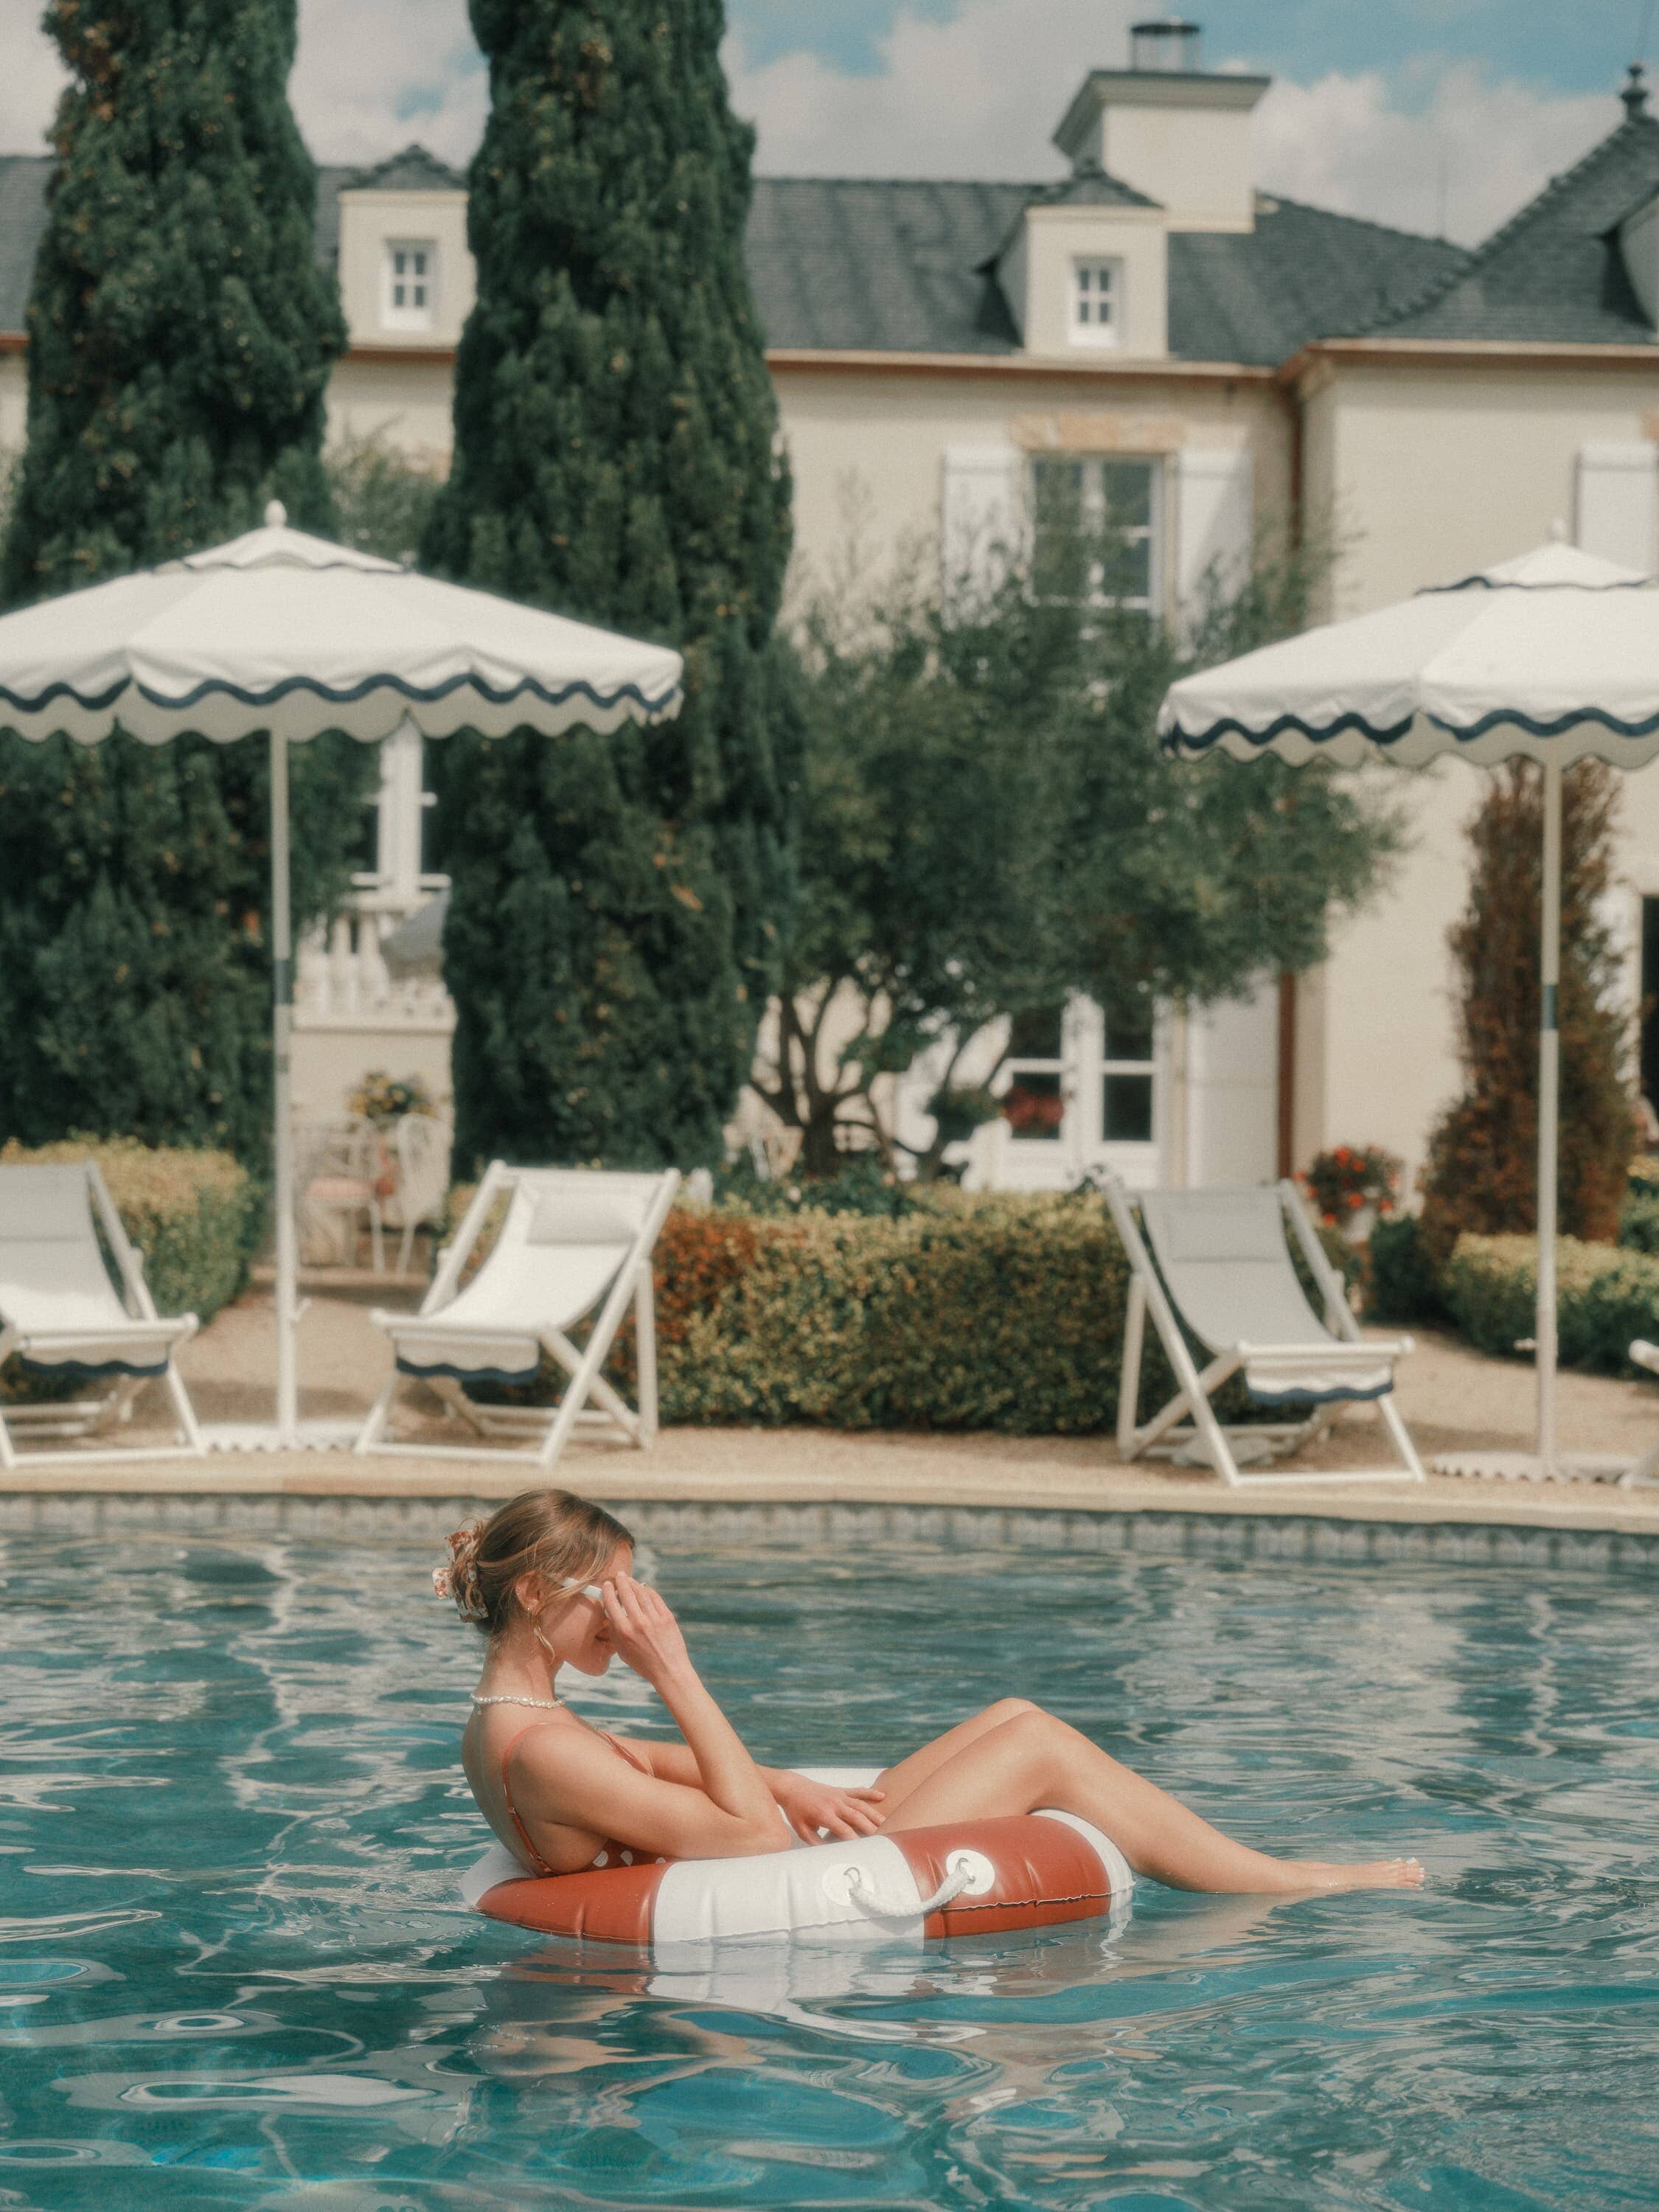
(231, 1974)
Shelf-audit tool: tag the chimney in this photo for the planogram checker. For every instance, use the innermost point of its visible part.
(1167, 46)
(1177, 132)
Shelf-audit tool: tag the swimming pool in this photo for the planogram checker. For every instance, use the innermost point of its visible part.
(230, 1973)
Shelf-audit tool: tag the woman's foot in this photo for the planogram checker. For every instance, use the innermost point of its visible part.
(1300, 1875)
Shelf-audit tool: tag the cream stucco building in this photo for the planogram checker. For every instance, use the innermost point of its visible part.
(1204, 361)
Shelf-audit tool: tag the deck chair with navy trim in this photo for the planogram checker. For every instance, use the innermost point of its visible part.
(574, 1244)
(75, 1307)
(1213, 1269)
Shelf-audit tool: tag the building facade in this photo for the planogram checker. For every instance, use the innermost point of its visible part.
(1201, 363)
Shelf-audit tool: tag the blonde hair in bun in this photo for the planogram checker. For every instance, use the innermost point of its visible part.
(546, 1532)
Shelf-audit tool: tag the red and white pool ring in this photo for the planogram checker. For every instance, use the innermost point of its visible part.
(965, 1877)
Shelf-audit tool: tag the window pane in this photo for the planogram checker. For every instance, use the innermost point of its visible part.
(1127, 488)
(366, 845)
(1126, 1109)
(1033, 1107)
(429, 865)
(1129, 1037)
(1035, 1033)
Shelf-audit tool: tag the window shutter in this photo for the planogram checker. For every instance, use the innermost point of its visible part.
(981, 518)
(1617, 501)
(1214, 522)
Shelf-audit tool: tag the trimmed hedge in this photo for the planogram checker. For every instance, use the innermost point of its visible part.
(995, 1312)
(197, 1217)
(1607, 1295)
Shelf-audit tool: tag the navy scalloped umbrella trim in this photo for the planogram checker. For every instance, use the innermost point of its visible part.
(1514, 584)
(215, 687)
(1180, 741)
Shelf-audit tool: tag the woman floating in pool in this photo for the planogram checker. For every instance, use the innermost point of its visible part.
(547, 1580)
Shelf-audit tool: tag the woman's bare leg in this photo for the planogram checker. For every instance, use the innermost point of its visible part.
(1031, 1758)
(899, 1780)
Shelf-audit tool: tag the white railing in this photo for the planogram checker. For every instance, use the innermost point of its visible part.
(341, 982)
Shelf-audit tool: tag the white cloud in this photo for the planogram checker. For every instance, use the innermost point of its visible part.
(977, 96)
(1478, 149)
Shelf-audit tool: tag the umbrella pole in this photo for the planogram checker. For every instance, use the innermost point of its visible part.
(281, 934)
(1549, 1103)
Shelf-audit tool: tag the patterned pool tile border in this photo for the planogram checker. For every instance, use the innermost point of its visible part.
(1150, 1535)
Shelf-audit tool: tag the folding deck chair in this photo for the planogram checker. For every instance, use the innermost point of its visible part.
(62, 1316)
(1214, 1266)
(574, 1240)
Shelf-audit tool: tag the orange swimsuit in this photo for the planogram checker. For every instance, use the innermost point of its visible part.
(610, 1852)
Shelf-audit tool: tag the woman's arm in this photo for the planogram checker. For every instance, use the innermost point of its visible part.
(648, 1638)
(807, 1806)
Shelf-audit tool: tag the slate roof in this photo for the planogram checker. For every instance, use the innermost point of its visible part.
(898, 266)
(1553, 272)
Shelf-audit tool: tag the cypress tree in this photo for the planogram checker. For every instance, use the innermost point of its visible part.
(612, 932)
(1482, 1171)
(181, 336)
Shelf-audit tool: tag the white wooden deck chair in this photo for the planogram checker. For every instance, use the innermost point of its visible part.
(1218, 1261)
(61, 1315)
(575, 1242)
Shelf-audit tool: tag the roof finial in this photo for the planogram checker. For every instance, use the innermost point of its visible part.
(1635, 93)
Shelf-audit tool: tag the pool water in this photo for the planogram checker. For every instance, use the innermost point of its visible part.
(232, 1972)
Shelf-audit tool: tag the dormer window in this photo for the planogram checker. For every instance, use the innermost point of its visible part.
(1096, 302)
(409, 284)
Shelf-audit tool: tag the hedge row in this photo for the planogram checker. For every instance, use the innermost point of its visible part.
(195, 1217)
(1607, 1296)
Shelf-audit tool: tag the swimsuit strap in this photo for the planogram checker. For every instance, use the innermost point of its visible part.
(627, 1751)
(536, 1859)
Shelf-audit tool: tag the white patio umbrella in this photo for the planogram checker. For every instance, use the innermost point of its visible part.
(288, 635)
(1553, 657)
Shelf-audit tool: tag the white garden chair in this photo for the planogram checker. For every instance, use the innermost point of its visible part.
(574, 1243)
(1215, 1266)
(62, 1316)
(340, 1173)
(420, 1150)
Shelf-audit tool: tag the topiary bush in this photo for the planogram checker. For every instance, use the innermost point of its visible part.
(1607, 1296)
(1638, 1218)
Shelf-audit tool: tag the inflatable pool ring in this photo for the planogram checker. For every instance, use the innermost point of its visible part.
(967, 1877)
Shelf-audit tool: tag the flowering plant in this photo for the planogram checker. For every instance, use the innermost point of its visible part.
(382, 1101)
(1030, 1112)
(1350, 1176)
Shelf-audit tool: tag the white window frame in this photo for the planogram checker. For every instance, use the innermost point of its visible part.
(1093, 467)
(1096, 280)
(1080, 1143)
(418, 309)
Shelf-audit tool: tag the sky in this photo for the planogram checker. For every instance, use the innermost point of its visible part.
(1436, 115)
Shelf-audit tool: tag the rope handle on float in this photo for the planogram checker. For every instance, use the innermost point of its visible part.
(964, 1874)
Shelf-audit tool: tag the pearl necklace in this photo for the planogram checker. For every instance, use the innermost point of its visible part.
(546, 1704)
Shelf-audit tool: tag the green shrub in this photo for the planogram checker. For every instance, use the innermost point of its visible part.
(1638, 1218)
(196, 1218)
(1607, 1296)
(1400, 1284)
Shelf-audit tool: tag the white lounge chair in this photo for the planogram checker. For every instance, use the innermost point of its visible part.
(62, 1316)
(1215, 1266)
(574, 1240)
